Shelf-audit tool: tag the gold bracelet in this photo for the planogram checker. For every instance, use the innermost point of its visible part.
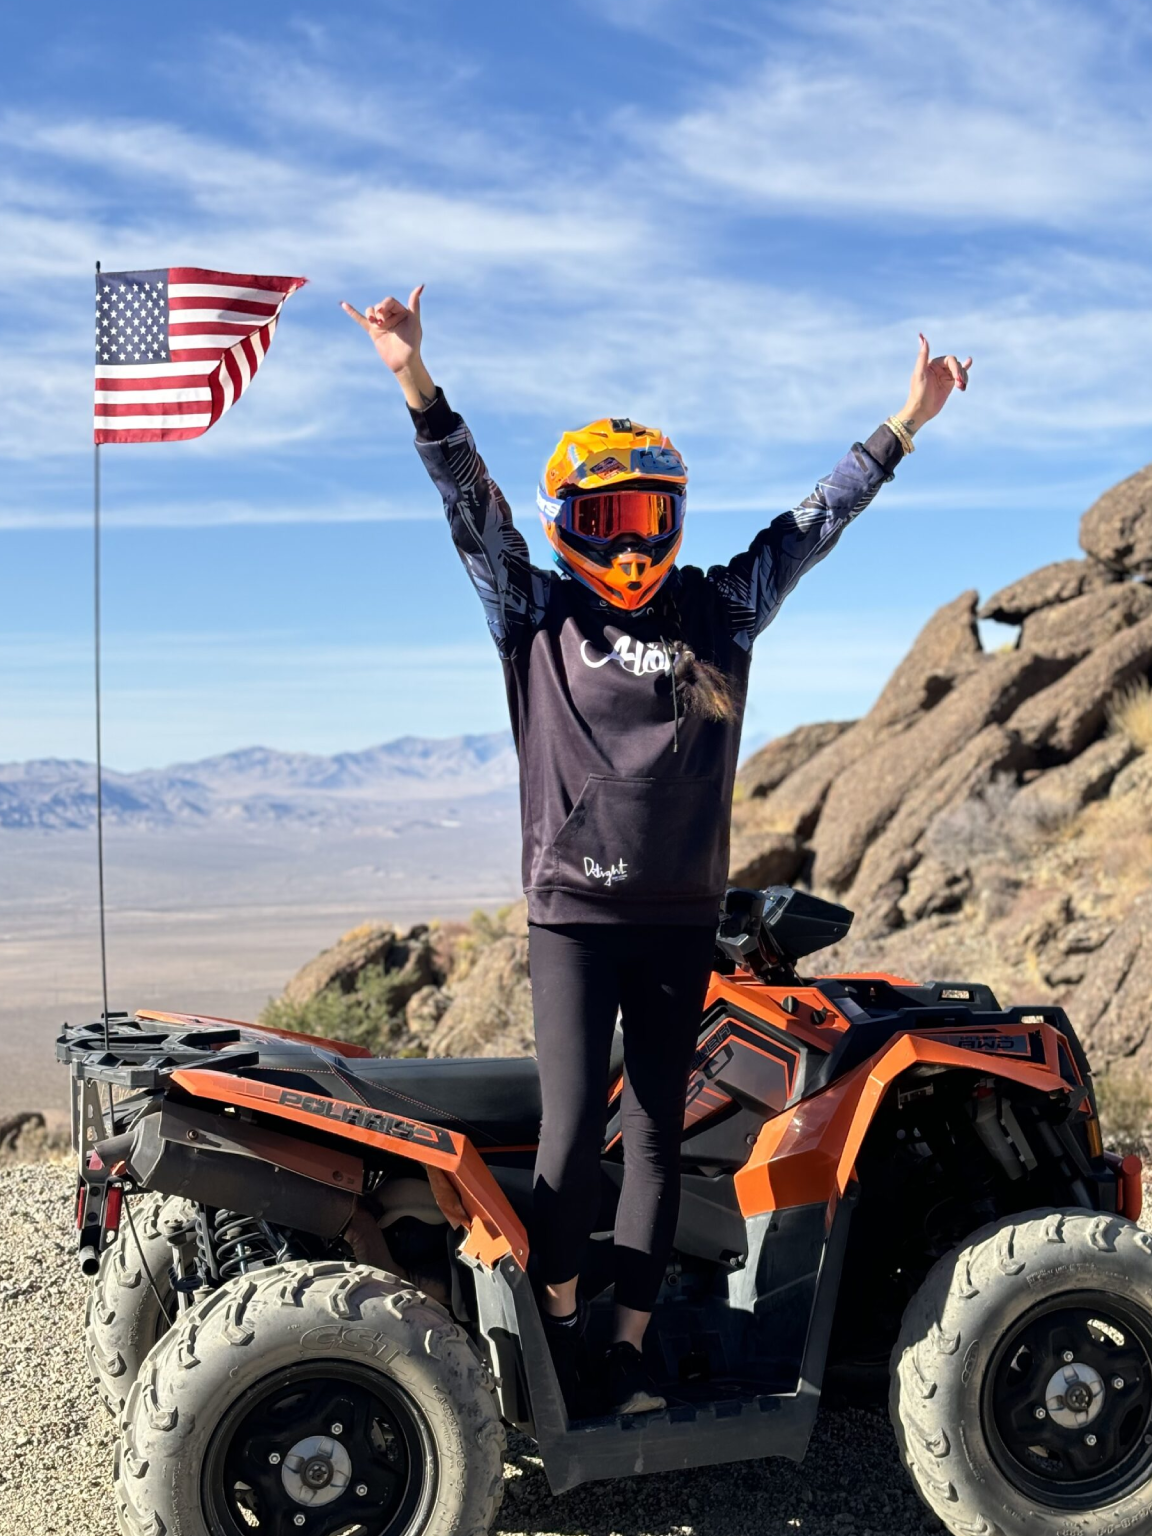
(901, 433)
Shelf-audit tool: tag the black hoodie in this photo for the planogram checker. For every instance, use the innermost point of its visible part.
(625, 799)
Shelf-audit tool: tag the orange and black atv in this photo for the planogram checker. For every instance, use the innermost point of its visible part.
(322, 1316)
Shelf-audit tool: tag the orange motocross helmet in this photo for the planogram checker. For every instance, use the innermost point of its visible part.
(612, 501)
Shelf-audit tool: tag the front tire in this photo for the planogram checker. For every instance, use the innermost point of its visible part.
(329, 1391)
(1022, 1379)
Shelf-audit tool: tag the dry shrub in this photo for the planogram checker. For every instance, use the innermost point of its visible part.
(1130, 713)
(1124, 1096)
(991, 823)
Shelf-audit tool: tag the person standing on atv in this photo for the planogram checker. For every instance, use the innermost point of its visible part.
(626, 677)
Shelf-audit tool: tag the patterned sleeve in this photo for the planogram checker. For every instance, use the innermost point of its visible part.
(757, 581)
(492, 548)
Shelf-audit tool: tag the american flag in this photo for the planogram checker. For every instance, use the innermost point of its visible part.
(175, 347)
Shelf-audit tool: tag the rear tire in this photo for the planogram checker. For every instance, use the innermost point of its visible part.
(323, 1386)
(1035, 1306)
(123, 1318)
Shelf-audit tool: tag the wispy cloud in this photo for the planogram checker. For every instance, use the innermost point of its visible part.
(1030, 113)
(563, 284)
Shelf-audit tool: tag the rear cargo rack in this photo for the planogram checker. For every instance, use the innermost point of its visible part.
(139, 1056)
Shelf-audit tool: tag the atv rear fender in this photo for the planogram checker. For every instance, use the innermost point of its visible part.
(194, 1020)
(808, 1154)
(465, 1191)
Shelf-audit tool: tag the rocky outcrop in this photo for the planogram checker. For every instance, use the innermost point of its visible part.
(1112, 1006)
(1060, 793)
(946, 650)
(877, 894)
(1073, 630)
(1117, 529)
(759, 774)
(1050, 585)
(1065, 717)
(866, 797)
(405, 956)
(490, 1012)
(761, 856)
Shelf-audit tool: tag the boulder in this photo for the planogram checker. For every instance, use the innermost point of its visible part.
(1058, 794)
(1112, 1006)
(490, 1013)
(760, 855)
(865, 798)
(946, 650)
(408, 956)
(1051, 584)
(771, 765)
(1070, 631)
(1062, 719)
(1117, 529)
(890, 858)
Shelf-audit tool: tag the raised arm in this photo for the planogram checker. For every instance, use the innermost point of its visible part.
(490, 545)
(758, 580)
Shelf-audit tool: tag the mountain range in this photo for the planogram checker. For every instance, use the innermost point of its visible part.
(259, 786)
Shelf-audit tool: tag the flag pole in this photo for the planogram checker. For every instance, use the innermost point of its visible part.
(99, 744)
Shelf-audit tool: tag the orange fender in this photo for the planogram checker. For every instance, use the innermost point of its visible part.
(806, 1155)
(465, 1191)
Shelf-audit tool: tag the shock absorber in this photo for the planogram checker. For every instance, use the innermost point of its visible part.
(241, 1243)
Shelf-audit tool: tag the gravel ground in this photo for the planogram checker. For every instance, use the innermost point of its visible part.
(56, 1439)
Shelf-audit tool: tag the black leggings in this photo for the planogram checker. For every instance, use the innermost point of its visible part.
(581, 974)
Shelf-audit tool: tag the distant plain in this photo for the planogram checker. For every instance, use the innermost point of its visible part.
(214, 915)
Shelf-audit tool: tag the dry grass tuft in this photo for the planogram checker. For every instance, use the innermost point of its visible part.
(1130, 713)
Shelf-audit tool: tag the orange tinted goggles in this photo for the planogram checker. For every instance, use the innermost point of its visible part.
(643, 514)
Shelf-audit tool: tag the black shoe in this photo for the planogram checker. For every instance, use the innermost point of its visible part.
(565, 1338)
(630, 1388)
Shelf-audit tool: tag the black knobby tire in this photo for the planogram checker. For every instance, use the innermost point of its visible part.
(123, 1318)
(292, 1325)
(964, 1330)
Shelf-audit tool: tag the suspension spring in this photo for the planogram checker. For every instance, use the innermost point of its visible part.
(241, 1243)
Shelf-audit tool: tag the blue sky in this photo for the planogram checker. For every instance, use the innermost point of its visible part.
(729, 221)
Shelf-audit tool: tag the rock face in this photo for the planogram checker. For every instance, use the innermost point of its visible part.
(1058, 794)
(1117, 529)
(759, 774)
(866, 797)
(759, 855)
(945, 652)
(1070, 631)
(983, 820)
(1062, 719)
(1051, 584)
(1112, 1006)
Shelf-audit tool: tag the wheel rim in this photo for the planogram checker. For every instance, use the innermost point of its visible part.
(1067, 1402)
(318, 1450)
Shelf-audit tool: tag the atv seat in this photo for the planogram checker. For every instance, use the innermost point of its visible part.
(495, 1101)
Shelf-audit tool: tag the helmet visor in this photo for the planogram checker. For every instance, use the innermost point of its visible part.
(604, 517)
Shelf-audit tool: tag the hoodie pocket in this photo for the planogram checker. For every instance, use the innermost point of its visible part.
(642, 839)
